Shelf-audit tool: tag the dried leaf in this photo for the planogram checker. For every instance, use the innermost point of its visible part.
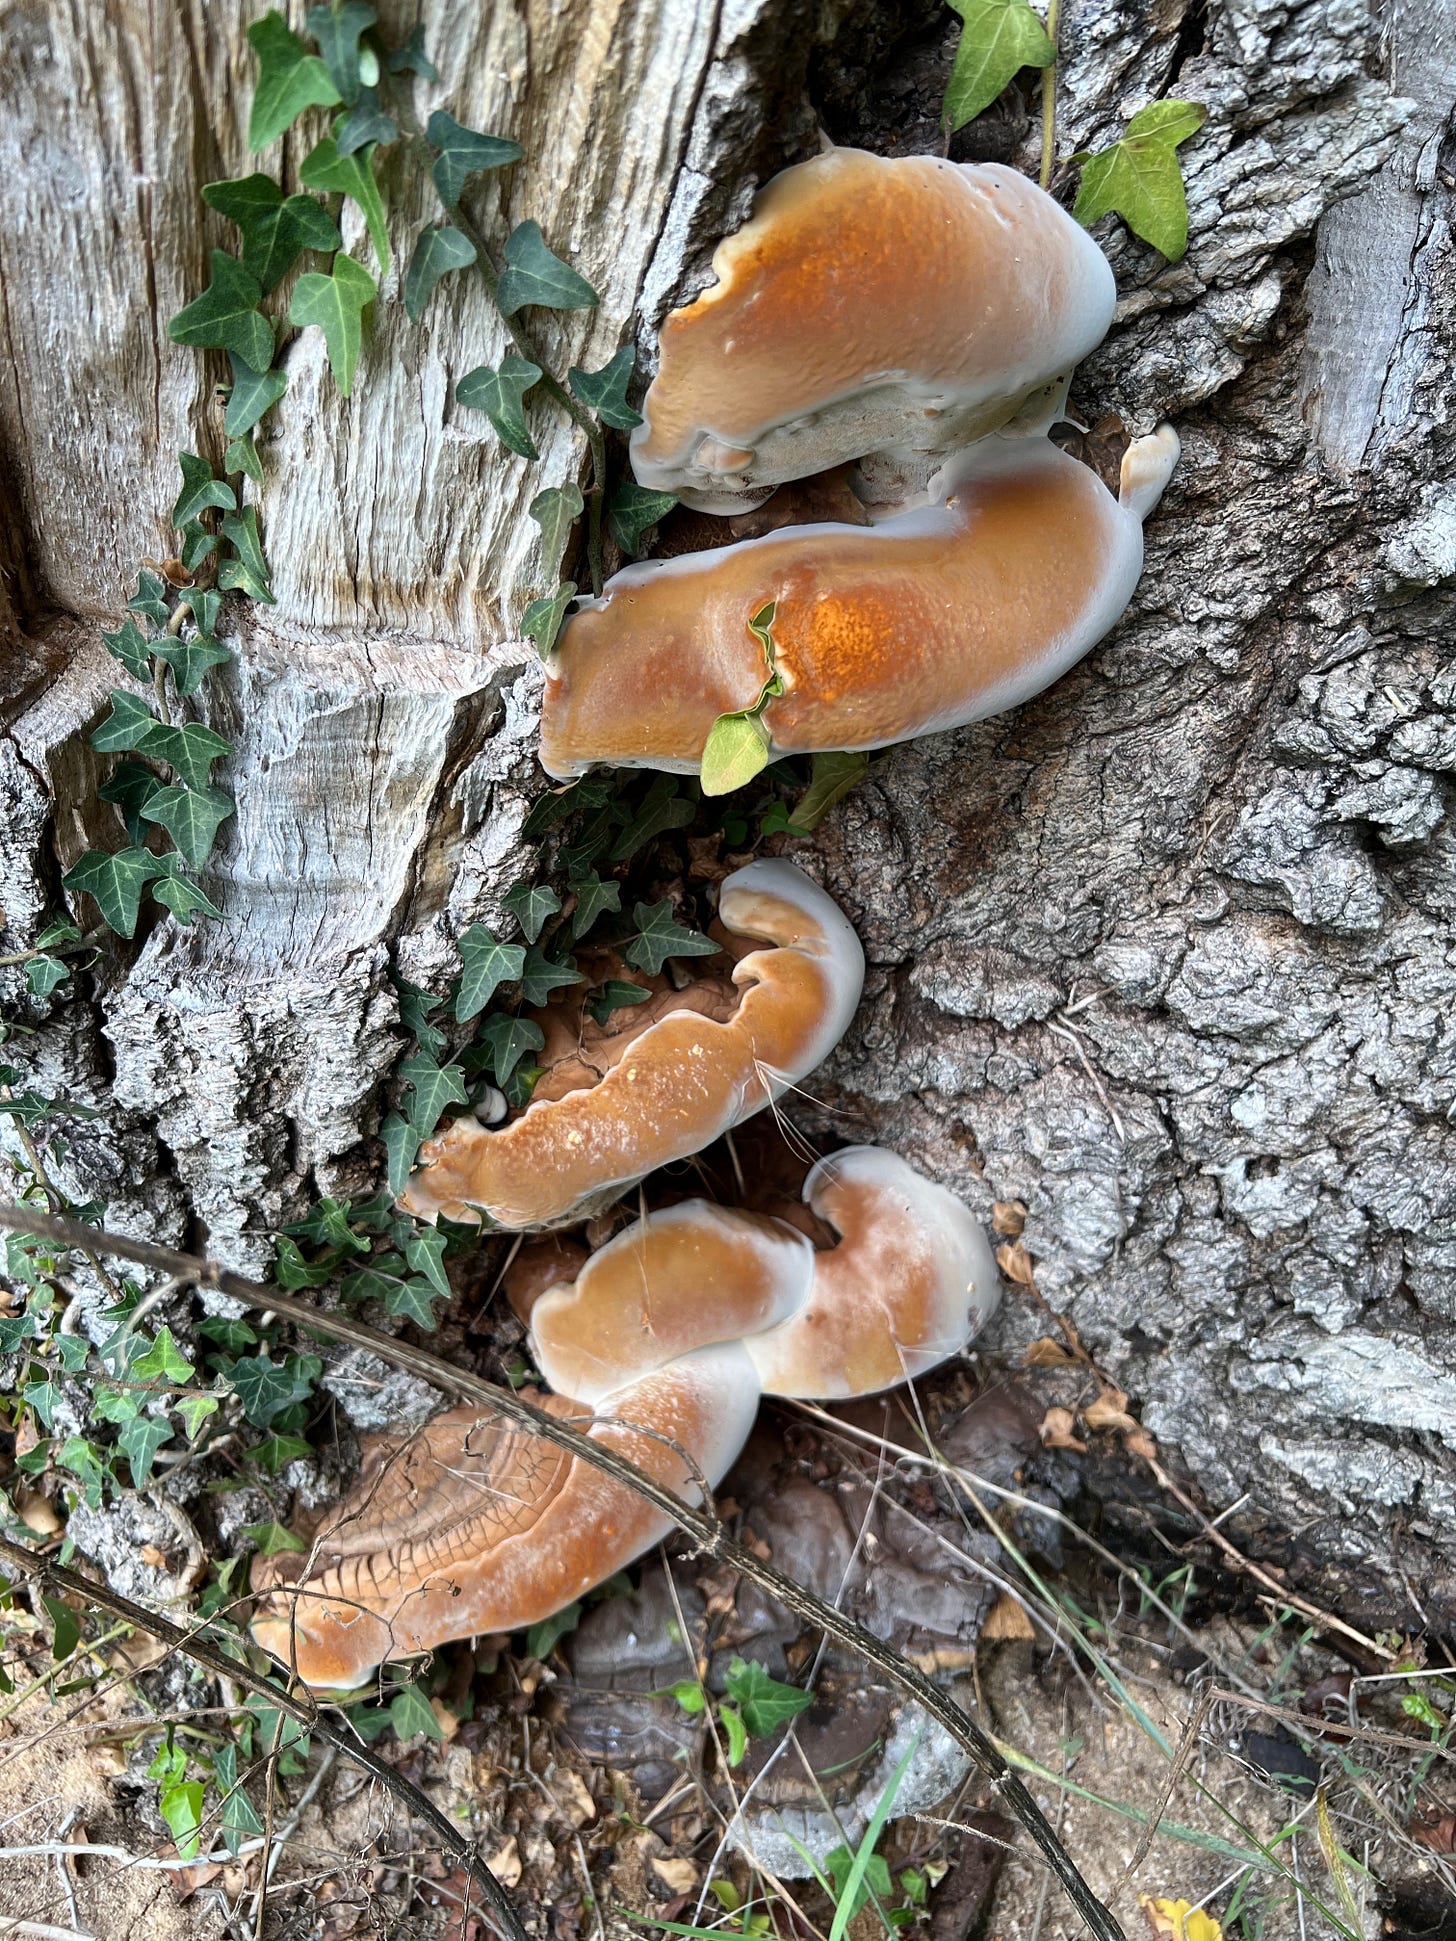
(1047, 1352)
(1056, 1431)
(1015, 1263)
(1179, 1920)
(677, 1876)
(1109, 1411)
(505, 1863)
(1008, 1217)
(1007, 1619)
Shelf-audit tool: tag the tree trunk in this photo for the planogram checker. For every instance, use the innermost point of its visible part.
(1161, 955)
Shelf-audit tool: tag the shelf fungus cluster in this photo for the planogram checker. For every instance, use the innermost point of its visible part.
(917, 321)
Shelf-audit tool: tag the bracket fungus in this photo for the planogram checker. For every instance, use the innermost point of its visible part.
(935, 616)
(870, 305)
(662, 1344)
(670, 1078)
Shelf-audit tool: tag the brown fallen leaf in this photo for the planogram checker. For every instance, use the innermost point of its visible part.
(150, 1554)
(1109, 1411)
(1438, 1835)
(1015, 1263)
(677, 1876)
(1179, 1920)
(1047, 1352)
(1056, 1431)
(1140, 1443)
(505, 1863)
(1008, 1217)
(573, 1798)
(1007, 1619)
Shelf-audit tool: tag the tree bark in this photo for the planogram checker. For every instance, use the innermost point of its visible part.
(1161, 955)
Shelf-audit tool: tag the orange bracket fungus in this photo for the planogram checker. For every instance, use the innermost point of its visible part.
(670, 1077)
(935, 616)
(900, 307)
(664, 1341)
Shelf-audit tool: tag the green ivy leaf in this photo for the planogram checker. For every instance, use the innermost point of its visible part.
(84, 1463)
(275, 1452)
(855, 1884)
(242, 456)
(248, 572)
(271, 1538)
(150, 600)
(508, 1039)
(197, 544)
(290, 79)
(337, 30)
(1139, 177)
(501, 395)
(275, 229)
(415, 1006)
(659, 936)
(766, 1704)
(139, 1442)
(264, 1389)
(401, 1144)
(555, 511)
(541, 975)
(177, 892)
(412, 1300)
(532, 275)
(336, 304)
(191, 817)
(191, 750)
(411, 58)
(200, 490)
(126, 727)
(130, 646)
(462, 152)
(605, 391)
(486, 965)
(411, 1715)
(191, 661)
(351, 175)
(206, 606)
(253, 393)
(530, 904)
(194, 1411)
(542, 621)
(226, 316)
(438, 250)
(632, 512)
(736, 750)
(115, 882)
(41, 1396)
(832, 776)
(162, 1361)
(238, 1819)
(1000, 38)
(435, 1087)
(615, 995)
(44, 974)
(543, 1638)
(65, 1628)
(660, 809)
(594, 895)
(365, 123)
(130, 786)
(425, 1251)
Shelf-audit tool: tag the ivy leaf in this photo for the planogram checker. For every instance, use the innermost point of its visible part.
(191, 817)
(199, 491)
(162, 1361)
(435, 1087)
(532, 275)
(336, 304)
(206, 606)
(487, 964)
(139, 1442)
(659, 936)
(766, 1704)
(1139, 177)
(191, 661)
(530, 904)
(194, 1411)
(542, 975)
(274, 229)
(555, 511)
(197, 544)
(177, 892)
(150, 600)
(264, 1389)
(855, 1883)
(226, 316)
(415, 1006)
(424, 1250)
(508, 1039)
(352, 175)
(130, 646)
(238, 1818)
(128, 724)
(736, 750)
(1000, 38)
(130, 787)
(242, 456)
(65, 1628)
(832, 776)
(543, 1638)
(438, 250)
(542, 621)
(271, 1539)
(337, 30)
(411, 1714)
(414, 1300)
(290, 79)
(275, 1452)
(248, 572)
(462, 152)
(401, 1144)
(253, 393)
(411, 58)
(116, 883)
(593, 896)
(44, 974)
(605, 391)
(632, 512)
(660, 809)
(615, 995)
(501, 395)
(191, 750)
(367, 122)
(42, 1398)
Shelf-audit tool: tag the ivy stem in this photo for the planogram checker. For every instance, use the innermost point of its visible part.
(1049, 99)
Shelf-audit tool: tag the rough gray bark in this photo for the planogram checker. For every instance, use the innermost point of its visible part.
(1162, 955)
